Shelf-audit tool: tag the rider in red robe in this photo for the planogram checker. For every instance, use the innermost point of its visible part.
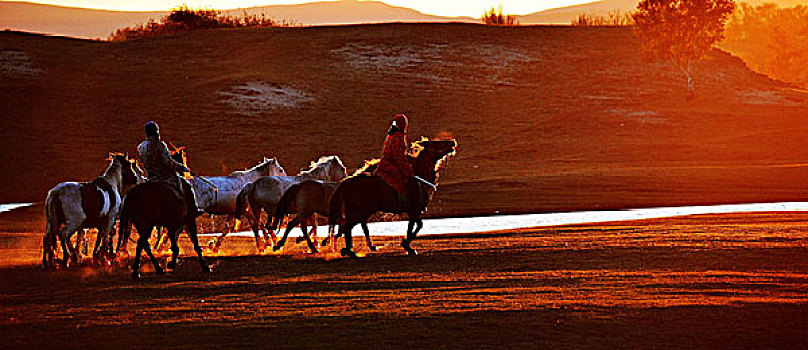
(394, 167)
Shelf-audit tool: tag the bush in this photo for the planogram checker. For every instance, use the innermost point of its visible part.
(681, 31)
(495, 17)
(771, 40)
(612, 19)
(184, 18)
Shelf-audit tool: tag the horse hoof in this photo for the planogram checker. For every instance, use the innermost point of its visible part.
(347, 253)
(372, 248)
(171, 265)
(299, 239)
(276, 248)
(412, 252)
(136, 276)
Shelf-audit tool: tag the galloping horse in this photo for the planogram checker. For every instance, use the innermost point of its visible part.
(358, 197)
(92, 204)
(307, 198)
(266, 192)
(313, 196)
(154, 204)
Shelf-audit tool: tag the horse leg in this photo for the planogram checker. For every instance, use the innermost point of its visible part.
(346, 231)
(145, 242)
(311, 244)
(219, 241)
(367, 236)
(138, 250)
(173, 235)
(255, 227)
(272, 225)
(192, 233)
(81, 247)
(68, 251)
(289, 227)
(405, 243)
(100, 243)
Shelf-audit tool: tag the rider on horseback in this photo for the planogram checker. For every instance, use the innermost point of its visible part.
(160, 167)
(394, 166)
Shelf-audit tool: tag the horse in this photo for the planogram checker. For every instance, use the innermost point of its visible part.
(221, 199)
(72, 206)
(157, 204)
(307, 198)
(358, 197)
(310, 197)
(266, 192)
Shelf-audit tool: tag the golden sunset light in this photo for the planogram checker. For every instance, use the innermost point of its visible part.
(404, 174)
(454, 8)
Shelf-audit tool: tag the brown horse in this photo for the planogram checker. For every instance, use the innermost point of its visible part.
(155, 204)
(306, 199)
(358, 197)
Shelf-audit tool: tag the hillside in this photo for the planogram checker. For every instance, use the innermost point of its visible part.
(547, 118)
(90, 23)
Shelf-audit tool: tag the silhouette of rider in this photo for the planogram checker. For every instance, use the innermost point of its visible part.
(160, 167)
(394, 166)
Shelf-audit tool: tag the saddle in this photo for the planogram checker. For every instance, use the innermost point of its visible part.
(97, 199)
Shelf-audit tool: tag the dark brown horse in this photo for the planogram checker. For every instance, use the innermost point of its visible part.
(155, 204)
(358, 197)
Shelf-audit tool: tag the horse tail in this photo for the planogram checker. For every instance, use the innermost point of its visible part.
(52, 206)
(125, 225)
(285, 204)
(336, 205)
(241, 199)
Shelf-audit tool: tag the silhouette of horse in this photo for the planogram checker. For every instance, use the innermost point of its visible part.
(266, 192)
(157, 204)
(358, 197)
(73, 206)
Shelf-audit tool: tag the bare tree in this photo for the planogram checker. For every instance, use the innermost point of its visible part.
(681, 31)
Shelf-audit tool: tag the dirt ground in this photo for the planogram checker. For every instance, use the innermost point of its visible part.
(708, 281)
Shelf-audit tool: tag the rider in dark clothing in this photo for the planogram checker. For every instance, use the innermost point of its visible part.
(160, 167)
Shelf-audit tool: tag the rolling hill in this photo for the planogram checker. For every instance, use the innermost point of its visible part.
(90, 23)
(547, 118)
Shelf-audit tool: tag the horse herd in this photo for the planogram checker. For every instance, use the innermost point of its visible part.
(324, 188)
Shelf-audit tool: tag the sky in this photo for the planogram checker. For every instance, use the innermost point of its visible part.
(471, 8)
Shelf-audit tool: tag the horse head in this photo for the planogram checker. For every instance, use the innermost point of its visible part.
(336, 170)
(328, 168)
(430, 155)
(270, 167)
(129, 171)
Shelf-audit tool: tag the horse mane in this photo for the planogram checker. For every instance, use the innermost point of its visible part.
(369, 166)
(319, 165)
(264, 163)
(111, 158)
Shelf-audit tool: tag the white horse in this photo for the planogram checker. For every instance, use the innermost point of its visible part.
(72, 206)
(216, 195)
(266, 192)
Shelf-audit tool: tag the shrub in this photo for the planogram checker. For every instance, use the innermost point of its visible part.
(614, 18)
(184, 18)
(495, 17)
(681, 31)
(771, 40)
